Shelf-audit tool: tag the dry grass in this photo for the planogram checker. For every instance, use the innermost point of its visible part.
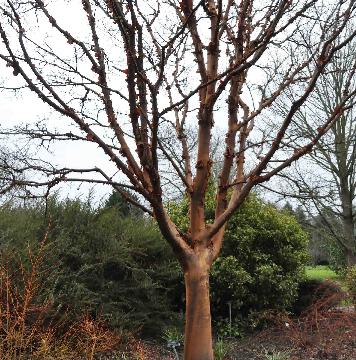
(140, 350)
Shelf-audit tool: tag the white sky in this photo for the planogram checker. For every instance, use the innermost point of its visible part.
(27, 109)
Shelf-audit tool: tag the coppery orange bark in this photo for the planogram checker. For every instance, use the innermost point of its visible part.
(198, 336)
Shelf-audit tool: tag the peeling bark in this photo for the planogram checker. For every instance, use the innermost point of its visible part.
(198, 336)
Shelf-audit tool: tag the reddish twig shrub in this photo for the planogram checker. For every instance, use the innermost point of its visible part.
(323, 329)
(26, 331)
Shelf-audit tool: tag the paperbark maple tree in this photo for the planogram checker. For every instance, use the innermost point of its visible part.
(134, 71)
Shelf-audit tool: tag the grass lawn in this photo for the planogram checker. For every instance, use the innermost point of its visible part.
(321, 272)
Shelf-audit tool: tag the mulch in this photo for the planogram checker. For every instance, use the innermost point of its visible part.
(318, 334)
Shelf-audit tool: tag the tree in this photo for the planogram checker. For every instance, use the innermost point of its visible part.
(118, 202)
(333, 192)
(132, 75)
(8, 162)
(322, 245)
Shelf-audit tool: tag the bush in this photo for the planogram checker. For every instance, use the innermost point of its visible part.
(25, 331)
(262, 260)
(107, 263)
(266, 250)
(101, 263)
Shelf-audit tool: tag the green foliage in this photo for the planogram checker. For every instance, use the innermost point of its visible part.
(221, 349)
(19, 226)
(226, 330)
(262, 260)
(110, 262)
(117, 201)
(350, 280)
(173, 334)
(269, 248)
(325, 250)
(99, 262)
(229, 283)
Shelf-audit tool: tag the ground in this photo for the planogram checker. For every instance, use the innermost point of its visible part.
(325, 332)
(318, 335)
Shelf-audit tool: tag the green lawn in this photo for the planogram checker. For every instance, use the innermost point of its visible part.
(321, 272)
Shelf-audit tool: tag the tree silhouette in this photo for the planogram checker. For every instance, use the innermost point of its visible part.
(333, 191)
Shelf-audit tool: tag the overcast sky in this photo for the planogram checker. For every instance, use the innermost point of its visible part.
(27, 108)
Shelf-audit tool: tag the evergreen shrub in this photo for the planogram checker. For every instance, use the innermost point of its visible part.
(98, 262)
(262, 261)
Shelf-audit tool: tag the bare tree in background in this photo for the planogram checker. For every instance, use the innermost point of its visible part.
(135, 71)
(9, 174)
(326, 181)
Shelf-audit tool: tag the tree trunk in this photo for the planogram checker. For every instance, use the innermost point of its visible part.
(198, 336)
(348, 223)
(350, 258)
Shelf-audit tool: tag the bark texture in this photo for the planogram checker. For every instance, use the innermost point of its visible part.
(348, 224)
(350, 258)
(198, 339)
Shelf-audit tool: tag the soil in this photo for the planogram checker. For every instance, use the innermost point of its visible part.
(263, 347)
(254, 348)
(318, 335)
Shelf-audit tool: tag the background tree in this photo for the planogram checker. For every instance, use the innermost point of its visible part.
(323, 247)
(330, 195)
(131, 73)
(118, 202)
